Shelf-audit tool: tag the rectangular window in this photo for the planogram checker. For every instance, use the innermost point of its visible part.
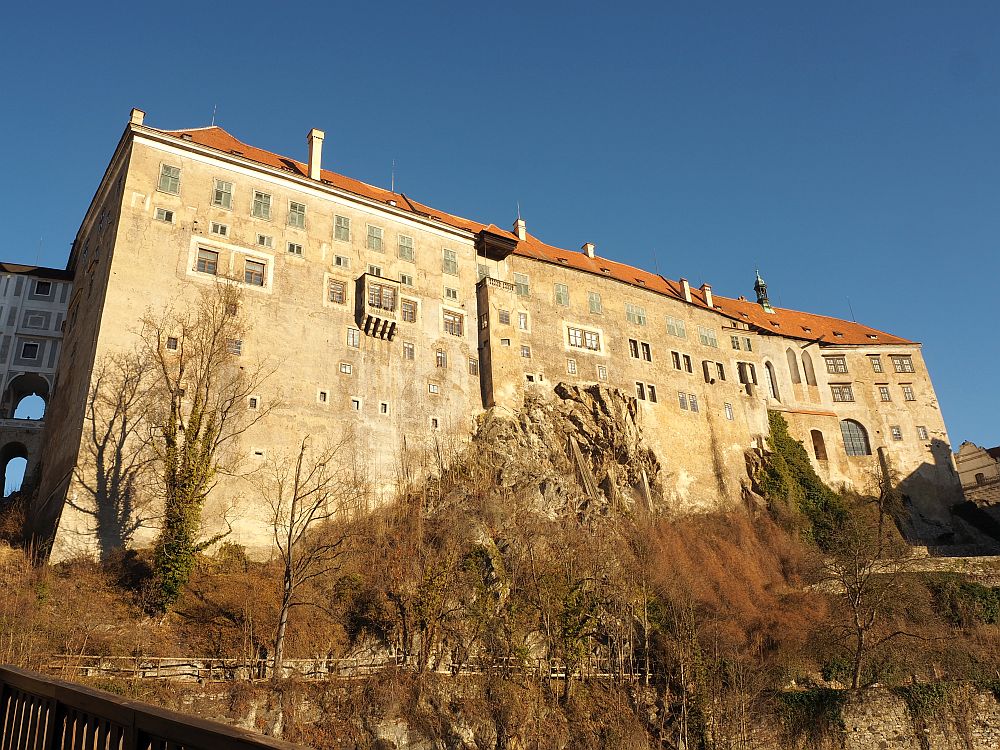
(408, 311)
(522, 321)
(897, 433)
(454, 323)
(521, 285)
(261, 207)
(571, 366)
(164, 215)
(693, 402)
(220, 229)
(482, 271)
(222, 195)
(474, 367)
(836, 365)
(449, 262)
(408, 350)
(842, 393)
(721, 370)
(253, 402)
(322, 397)
(294, 248)
(908, 393)
(675, 327)
(234, 346)
(735, 341)
(450, 293)
(353, 337)
(602, 372)
(406, 279)
(902, 363)
(525, 351)
(381, 296)
(747, 345)
(883, 393)
(43, 288)
(640, 391)
(441, 358)
(356, 404)
(297, 215)
(682, 400)
(707, 337)
(375, 270)
(921, 432)
(29, 350)
(170, 179)
(342, 228)
(592, 341)
(435, 389)
(484, 321)
(265, 240)
(594, 300)
(635, 314)
(687, 363)
(675, 358)
(253, 272)
(346, 367)
(383, 407)
(404, 247)
(172, 343)
(504, 317)
(341, 261)
(647, 353)
(504, 342)
(374, 241)
(562, 295)
(208, 261)
(876, 364)
(729, 411)
(651, 392)
(633, 348)
(337, 292)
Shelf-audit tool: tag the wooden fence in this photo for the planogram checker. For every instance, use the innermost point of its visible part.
(40, 713)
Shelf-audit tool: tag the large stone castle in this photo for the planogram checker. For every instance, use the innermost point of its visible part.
(405, 323)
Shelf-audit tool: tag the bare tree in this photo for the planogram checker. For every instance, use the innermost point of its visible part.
(318, 488)
(117, 458)
(201, 405)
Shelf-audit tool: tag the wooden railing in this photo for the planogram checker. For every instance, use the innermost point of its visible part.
(39, 713)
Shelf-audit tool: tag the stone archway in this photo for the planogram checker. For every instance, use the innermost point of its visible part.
(10, 452)
(22, 387)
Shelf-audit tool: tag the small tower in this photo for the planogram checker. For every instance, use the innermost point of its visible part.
(761, 288)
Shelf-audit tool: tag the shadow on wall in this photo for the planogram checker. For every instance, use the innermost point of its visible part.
(939, 517)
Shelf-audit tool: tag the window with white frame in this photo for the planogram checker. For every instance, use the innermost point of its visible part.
(353, 337)
(222, 230)
(902, 363)
(234, 346)
(374, 241)
(435, 389)
(296, 215)
(451, 294)
(454, 323)
(707, 337)
(222, 194)
(294, 248)
(594, 301)
(404, 247)
(164, 214)
(876, 363)
(406, 279)
(346, 368)
(265, 240)
(692, 402)
(522, 286)
(261, 206)
(342, 228)
(408, 351)
(562, 294)
(29, 350)
(449, 262)
(473, 367)
(836, 365)
(651, 392)
(503, 317)
(341, 261)
(908, 393)
(842, 393)
(883, 393)
(602, 372)
(374, 270)
(635, 314)
(170, 179)
(571, 366)
(729, 411)
(640, 391)
(921, 432)
(675, 327)
(441, 358)
(408, 310)
(896, 431)
(682, 400)
(525, 351)
(522, 321)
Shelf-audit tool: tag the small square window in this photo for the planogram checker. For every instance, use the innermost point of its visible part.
(261, 207)
(408, 350)
(163, 214)
(322, 397)
(503, 316)
(374, 241)
(337, 293)
(341, 261)
(504, 342)
(170, 179)
(375, 270)
(406, 279)
(208, 261)
(265, 240)
(29, 350)
(451, 294)
(433, 388)
(234, 347)
(526, 351)
(296, 215)
(43, 288)
(346, 368)
(253, 403)
(897, 433)
(172, 343)
(356, 404)
(353, 337)
(294, 248)
(253, 272)
(602, 372)
(383, 407)
(220, 229)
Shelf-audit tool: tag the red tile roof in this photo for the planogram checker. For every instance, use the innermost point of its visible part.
(789, 323)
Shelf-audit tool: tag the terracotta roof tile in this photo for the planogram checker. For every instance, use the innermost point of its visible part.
(790, 323)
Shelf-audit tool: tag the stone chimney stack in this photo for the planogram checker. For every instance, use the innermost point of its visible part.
(315, 140)
(686, 290)
(707, 291)
(521, 229)
(136, 117)
(588, 249)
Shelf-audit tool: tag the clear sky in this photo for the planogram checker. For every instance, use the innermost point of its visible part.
(848, 150)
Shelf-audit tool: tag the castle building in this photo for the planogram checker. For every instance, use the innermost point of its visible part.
(979, 472)
(402, 323)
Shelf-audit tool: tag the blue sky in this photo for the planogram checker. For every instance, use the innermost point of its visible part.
(848, 150)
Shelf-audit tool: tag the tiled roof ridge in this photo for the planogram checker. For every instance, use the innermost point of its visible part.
(532, 247)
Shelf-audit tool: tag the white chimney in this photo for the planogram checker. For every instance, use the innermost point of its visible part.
(588, 249)
(707, 291)
(521, 230)
(686, 290)
(315, 140)
(136, 117)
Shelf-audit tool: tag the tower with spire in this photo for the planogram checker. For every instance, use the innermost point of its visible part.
(761, 288)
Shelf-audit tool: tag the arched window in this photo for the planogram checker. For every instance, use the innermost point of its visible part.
(13, 462)
(793, 365)
(980, 478)
(807, 368)
(819, 445)
(772, 381)
(855, 438)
